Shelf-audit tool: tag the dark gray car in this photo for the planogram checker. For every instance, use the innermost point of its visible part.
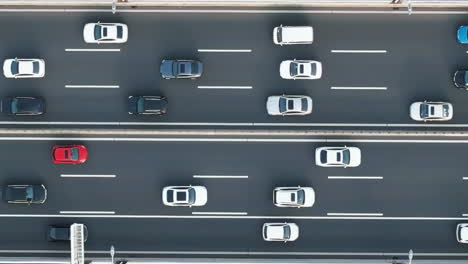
(181, 69)
(460, 79)
(25, 194)
(62, 233)
(147, 105)
(22, 105)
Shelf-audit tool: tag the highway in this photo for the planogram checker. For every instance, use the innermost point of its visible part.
(415, 200)
(416, 58)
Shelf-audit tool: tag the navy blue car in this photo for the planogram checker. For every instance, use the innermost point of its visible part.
(181, 69)
(22, 105)
(462, 34)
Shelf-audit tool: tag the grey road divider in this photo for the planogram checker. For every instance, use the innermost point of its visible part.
(72, 132)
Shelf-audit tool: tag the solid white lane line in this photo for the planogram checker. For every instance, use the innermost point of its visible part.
(358, 51)
(88, 175)
(354, 214)
(219, 213)
(225, 50)
(221, 176)
(92, 86)
(92, 50)
(465, 178)
(355, 177)
(88, 212)
(358, 88)
(224, 87)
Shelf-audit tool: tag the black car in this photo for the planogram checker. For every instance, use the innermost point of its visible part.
(62, 233)
(181, 69)
(22, 105)
(460, 79)
(147, 105)
(25, 194)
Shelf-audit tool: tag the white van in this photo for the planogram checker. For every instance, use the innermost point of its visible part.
(284, 35)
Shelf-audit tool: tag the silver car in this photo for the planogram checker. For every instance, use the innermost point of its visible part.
(289, 105)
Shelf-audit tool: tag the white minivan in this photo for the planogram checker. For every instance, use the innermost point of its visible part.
(284, 35)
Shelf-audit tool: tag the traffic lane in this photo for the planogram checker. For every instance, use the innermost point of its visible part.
(238, 235)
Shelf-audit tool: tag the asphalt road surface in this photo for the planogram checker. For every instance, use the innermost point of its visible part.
(421, 55)
(414, 199)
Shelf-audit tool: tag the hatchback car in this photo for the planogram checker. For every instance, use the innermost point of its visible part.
(105, 33)
(338, 157)
(147, 105)
(26, 194)
(181, 69)
(291, 35)
(462, 233)
(282, 232)
(31, 106)
(431, 111)
(301, 69)
(24, 68)
(185, 196)
(289, 105)
(62, 233)
(69, 154)
(293, 196)
(462, 34)
(460, 79)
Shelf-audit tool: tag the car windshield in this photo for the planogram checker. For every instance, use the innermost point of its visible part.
(287, 232)
(304, 105)
(194, 67)
(119, 31)
(424, 110)
(74, 154)
(293, 69)
(446, 110)
(141, 105)
(14, 105)
(14, 67)
(282, 105)
(97, 32)
(36, 67)
(313, 68)
(279, 35)
(300, 197)
(323, 156)
(191, 193)
(346, 156)
(29, 193)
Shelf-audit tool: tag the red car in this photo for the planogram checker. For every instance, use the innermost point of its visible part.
(69, 154)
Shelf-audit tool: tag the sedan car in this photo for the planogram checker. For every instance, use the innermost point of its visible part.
(431, 111)
(22, 105)
(460, 79)
(289, 105)
(147, 105)
(62, 233)
(69, 154)
(338, 157)
(462, 34)
(181, 69)
(185, 196)
(301, 69)
(293, 196)
(24, 68)
(27, 194)
(462, 233)
(283, 232)
(105, 33)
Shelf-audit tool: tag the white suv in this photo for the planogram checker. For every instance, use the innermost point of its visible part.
(293, 196)
(284, 35)
(185, 196)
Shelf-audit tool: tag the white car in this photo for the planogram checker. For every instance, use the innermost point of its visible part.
(291, 35)
(105, 33)
(289, 105)
(185, 196)
(462, 233)
(283, 232)
(301, 69)
(338, 157)
(293, 197)
(24, 68)
(431, 111)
